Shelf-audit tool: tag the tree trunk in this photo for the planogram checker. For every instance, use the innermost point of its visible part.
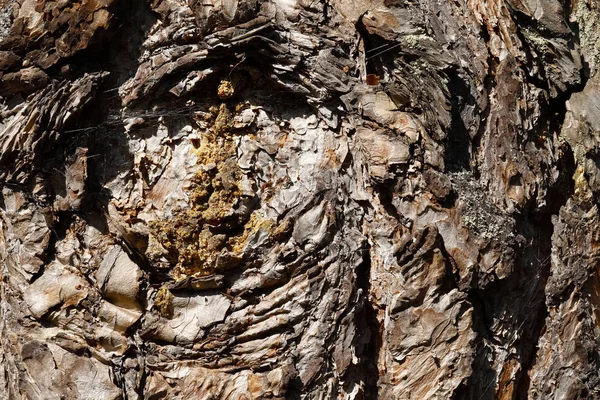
(299, 199)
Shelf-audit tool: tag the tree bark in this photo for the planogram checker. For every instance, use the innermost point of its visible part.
(299, 199)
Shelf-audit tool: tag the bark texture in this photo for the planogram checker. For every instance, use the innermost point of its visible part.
(299, 199)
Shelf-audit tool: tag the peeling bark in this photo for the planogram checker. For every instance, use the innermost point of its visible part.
(274, 199)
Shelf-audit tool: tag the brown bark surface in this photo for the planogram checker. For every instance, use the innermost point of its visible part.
(299, 199)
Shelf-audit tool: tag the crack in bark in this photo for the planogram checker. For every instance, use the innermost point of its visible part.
(370, 328)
